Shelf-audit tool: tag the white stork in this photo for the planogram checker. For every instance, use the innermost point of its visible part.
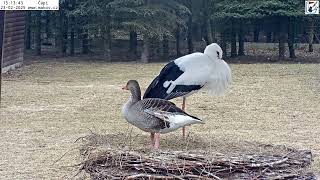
(190, 73)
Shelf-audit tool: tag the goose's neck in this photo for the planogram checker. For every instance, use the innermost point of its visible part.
(135, 95)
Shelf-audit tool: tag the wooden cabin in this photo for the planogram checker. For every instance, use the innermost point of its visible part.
(13, 40)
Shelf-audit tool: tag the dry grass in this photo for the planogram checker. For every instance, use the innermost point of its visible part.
(47, 106)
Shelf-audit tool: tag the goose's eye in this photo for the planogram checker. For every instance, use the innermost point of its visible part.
(218, 54)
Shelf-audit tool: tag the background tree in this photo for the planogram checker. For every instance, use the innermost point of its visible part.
(279, 12)
(154, 29)
(28, 30)
(38, 26)
(310, 21)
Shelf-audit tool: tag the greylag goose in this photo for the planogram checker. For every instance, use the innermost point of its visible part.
(154, 115)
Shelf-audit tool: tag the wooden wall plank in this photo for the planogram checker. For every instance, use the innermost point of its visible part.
(15, 28)
(15, 19)
(2, 13)
(17, 44)
(15, 32)
(14, 37)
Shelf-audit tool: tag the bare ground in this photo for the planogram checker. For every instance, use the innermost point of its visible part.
(46, 106)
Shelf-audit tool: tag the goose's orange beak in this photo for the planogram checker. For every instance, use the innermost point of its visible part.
(125, 88)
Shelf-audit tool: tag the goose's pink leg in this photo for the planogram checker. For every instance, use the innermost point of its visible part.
(156, 140)
(183, 108)
(152, 140)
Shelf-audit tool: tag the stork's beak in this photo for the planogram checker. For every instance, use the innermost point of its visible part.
(125, 88)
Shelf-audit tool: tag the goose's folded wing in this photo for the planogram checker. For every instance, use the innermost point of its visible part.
(163, 115)
(157, 104)
(180, 119)
(163, 109)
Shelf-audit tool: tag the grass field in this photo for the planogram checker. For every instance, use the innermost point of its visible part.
(46, 106)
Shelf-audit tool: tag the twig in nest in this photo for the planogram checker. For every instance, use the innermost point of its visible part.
(92, 133)
(63, 156)
(148, 176)
(271, 164)
(210, 174)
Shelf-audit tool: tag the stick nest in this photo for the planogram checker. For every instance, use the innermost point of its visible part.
(106, 162)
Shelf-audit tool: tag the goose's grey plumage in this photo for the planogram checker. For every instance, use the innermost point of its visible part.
(152, 114)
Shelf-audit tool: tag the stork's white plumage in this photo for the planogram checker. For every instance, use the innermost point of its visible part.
(190, 73)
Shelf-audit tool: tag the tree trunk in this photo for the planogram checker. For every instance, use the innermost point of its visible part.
(85, 41)
(155, 48)
(190, 33)
(233, 40)
(224, 44)
(64, 35)
(165, 46)
(72, 29)
(72, 34)
(133, 44)
(275, 37)
(60, 42)
(178, 42)
(208, 35)
(269, 37)
(213, 31)
(311, 34)
(55, 22)
(145, 52)
(28, 30)
(256, 36)
(106, 33)
(145, 55)
(291, 34)
(206, 21)
(282, 39)
(241, 39)
(282, 49)
(47, 27)
(38, 33)
(256, 33)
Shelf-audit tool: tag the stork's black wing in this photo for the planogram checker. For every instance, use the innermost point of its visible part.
(169, 73)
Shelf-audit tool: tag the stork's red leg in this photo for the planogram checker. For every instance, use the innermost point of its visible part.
(183, 108)
(156, 140)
